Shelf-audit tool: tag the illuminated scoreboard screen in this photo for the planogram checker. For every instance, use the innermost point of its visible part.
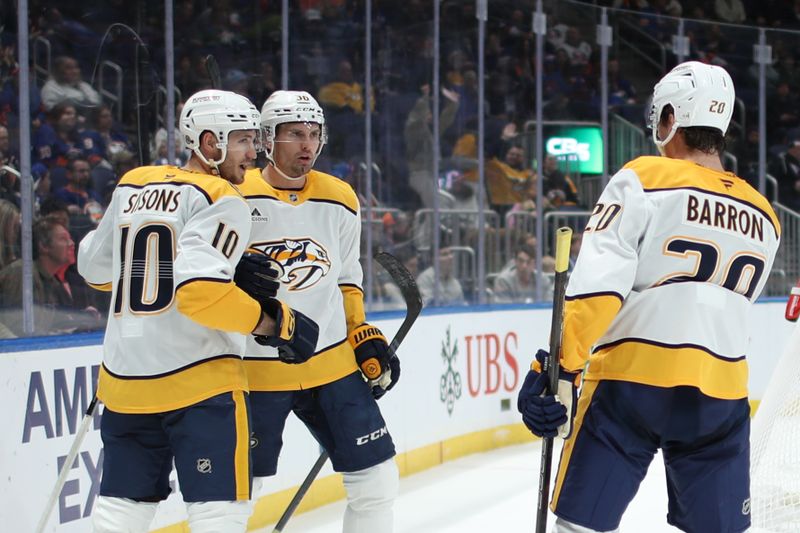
(579, 145)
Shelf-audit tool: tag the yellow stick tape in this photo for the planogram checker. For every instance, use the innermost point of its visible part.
(563, 241)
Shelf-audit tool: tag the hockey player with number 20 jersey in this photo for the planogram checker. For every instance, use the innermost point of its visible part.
(674, 254)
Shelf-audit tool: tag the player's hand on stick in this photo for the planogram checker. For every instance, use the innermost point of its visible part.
(548, 415)
(379, 365)
(257, 275)
(295, 334)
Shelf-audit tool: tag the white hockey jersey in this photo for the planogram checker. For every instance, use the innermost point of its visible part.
(314, 234)
(167, 247)
(672, 259)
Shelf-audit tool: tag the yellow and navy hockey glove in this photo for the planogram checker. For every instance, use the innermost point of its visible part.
(295, 334)
(379, 365)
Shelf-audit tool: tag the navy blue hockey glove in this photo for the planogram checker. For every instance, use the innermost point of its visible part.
(548, 415)
(257, 276)
(379, 365)
(295, 334)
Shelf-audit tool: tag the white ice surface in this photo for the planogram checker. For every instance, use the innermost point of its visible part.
(487, 492)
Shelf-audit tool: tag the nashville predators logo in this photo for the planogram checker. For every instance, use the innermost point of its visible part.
(303, 262)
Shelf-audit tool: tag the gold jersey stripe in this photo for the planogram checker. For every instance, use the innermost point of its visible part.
(354, 314)
(213, 187)
(180, 389)
(319, 187)
(663, 366)
(273, 375)
(242, 452)
(664, 173)
(585, 321)
(217, 304)
(588, 390)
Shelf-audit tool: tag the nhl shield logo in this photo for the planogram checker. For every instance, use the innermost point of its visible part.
(204, 465)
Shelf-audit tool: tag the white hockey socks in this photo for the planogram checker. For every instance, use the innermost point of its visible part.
(121, 515)
(564, 526)
(218, 517)
(370, 498)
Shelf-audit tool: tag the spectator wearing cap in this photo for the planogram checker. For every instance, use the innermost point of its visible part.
(786, 169)
(66, 85)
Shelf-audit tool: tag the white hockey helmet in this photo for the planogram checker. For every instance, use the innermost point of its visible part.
(291, 106)
(219, 112)
(700, 95)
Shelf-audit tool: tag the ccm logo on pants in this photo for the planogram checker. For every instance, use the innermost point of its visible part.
(375, 435)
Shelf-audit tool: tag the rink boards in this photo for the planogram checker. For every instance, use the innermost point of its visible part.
(461, 369)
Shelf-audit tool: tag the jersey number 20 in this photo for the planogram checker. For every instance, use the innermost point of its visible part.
(741, 275)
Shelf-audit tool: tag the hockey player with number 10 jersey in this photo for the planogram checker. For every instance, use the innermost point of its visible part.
(673, 256)
(172, 379)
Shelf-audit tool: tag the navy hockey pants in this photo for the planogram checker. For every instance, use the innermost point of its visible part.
(619, 426)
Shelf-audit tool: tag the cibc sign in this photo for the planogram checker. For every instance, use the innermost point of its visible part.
(580, 146)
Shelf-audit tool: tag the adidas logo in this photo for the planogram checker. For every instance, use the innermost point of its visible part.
(256, 216)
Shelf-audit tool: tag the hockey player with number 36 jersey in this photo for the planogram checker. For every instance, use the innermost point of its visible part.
(309, 223)
(656, 321)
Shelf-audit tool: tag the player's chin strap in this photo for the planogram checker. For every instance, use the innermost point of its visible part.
(213, 163)
(282, 173)
(268, 153)
(661, 144)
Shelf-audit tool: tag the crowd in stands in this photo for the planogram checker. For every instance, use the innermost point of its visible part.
(83, 142)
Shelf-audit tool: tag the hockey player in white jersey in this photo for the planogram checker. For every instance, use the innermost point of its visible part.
(309, 223)
(674, 255)
(172, 379)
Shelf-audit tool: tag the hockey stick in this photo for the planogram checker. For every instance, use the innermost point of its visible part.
(83, 429)
(410, 292)
(212, 68)
(563, 241)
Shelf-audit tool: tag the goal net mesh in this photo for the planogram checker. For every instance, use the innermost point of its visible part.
(775, 448)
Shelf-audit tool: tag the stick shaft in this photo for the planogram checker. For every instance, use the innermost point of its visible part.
(83, 429)
(413, 300)
(301, 492)
(563, 238)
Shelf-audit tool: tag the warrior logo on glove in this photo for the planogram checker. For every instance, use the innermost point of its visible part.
(377, 362)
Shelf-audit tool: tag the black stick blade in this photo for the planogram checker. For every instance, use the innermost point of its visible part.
(212, 68)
